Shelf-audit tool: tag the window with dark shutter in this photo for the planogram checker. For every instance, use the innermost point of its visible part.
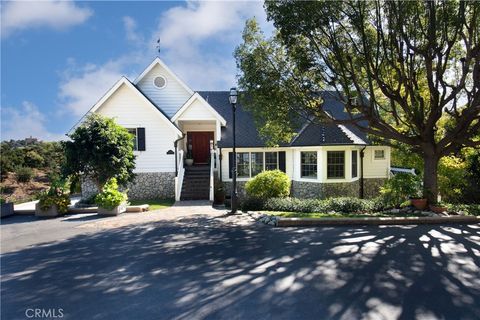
(141, 139)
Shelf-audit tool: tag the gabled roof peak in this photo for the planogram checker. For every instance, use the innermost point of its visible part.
(158, 62)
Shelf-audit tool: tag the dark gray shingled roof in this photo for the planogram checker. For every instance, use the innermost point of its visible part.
(312, 134)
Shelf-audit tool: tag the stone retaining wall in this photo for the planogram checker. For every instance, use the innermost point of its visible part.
(307, 190)
(147, 185)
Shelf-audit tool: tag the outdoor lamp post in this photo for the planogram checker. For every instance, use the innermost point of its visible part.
(233, 101)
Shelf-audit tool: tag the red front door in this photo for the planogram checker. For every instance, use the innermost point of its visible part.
(200, 142)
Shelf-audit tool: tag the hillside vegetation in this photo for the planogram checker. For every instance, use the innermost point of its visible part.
(27, 167)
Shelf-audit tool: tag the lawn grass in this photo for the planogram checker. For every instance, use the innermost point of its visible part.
(321, 215)
(154, 204)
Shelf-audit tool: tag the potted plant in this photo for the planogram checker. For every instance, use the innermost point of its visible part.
(438, 207)
(219, 192)
(415, 192)
(189, 158)
(7, 208)
(111, 201)
(54, 202)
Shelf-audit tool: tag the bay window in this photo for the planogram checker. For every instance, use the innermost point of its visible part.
(335, 164)
(243, 164)
(249, 164)
(271, 160)
(257, 163)
(309, 164)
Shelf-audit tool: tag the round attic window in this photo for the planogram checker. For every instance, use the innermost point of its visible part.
(160, 82)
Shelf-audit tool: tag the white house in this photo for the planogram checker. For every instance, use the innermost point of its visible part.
(169, 120)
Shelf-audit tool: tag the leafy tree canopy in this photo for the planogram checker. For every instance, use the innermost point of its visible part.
(100, 149)
(401, 68)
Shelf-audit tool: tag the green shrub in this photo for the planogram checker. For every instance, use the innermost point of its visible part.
(251, 204)
(348, 205)
(110, 197)
(57, 195)
(24, 174)
(471, 209)
(295, 205)
(399, 188)
(269, 184)
(344, 204)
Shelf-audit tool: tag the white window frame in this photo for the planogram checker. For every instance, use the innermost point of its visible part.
(263, 164)
(265, 159)
(135, 147)
(300, 162)
(249, 165)
(344, 165)
(351, 164)
(379, 159)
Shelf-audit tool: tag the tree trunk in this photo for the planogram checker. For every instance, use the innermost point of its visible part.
(430, 177)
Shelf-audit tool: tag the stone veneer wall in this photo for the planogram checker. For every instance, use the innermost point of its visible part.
(147, 185)
(372, 187)
(305, 189)
(240, 188)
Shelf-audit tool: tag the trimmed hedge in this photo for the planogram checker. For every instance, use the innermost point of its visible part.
(344, 204)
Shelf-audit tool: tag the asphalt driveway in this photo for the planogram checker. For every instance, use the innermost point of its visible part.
(211, 267)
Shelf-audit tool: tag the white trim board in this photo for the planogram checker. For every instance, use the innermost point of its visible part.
(204, 103)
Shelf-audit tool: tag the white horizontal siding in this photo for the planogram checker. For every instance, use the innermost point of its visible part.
(197, 111)
(376, 168)
(169, 99)
(130, 111)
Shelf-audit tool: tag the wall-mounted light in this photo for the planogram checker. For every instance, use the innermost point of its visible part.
(170, 152)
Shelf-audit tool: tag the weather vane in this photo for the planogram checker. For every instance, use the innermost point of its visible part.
(158, 46)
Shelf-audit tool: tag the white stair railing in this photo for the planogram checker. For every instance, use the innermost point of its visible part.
(212, 167)
(179, 177)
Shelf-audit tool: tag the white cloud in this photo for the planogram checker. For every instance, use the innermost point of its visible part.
(131, 33)
(189, 36)
(26, 121)
(59, 15)
(82, 87)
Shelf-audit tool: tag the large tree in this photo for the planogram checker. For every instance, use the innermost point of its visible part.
(400, 68)
(100, 149)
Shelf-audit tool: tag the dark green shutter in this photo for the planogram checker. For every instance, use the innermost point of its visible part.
(281, 161)
(141, 139)
(230, 164)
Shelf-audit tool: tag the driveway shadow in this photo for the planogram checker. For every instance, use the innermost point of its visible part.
(201, 268)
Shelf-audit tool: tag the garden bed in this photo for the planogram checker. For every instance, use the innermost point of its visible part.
(295, 219)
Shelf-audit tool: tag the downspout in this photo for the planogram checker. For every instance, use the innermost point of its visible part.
(175, 143)
(362, 154)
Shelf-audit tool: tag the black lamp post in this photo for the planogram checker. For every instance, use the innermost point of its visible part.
(233, 101)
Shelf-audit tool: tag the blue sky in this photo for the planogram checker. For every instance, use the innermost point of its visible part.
(59, 57)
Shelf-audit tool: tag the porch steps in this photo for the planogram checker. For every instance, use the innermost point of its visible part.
(196, 183)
